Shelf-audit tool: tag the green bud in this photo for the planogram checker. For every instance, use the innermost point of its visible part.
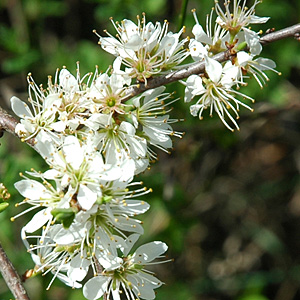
(107, 199)
(241, 46)
(137, 267)
(64, 215)
(4, 194)
(3, 206)
(69, 249)
(104, 199)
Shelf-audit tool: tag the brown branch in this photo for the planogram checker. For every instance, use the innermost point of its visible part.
(197, 68)
(292, 31)
(11, 277)
(8, 123)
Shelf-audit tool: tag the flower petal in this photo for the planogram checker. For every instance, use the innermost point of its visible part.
(20, 108)
(86, 198)
(67, 80)
(95, 287)
(148, 252)
(73, 152)
(32, 189)
(213, 69)
(38, 220)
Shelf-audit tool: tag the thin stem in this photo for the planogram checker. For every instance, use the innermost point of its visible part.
(182, 14)
(11, 277)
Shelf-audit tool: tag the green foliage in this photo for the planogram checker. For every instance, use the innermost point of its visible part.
(226, 204)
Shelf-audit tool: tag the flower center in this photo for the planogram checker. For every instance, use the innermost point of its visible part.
(110, 102)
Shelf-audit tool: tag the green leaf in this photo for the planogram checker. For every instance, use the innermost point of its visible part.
(254, 297)
(20, 62)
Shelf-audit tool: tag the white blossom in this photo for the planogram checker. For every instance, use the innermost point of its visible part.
(240, 17)
(217, 92)
(94, 138)
(146, 49)
(127, 274)
(76, 166)
(53, 110)
(48, 256)
(210, 41)
(106, 91)
(151, 113)
(118, 142)
(255, 67)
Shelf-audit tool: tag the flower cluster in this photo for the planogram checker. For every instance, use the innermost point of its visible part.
(145, 49)
(87, 202)
(216, 86)
(95, 138)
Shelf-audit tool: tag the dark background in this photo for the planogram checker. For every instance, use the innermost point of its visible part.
(227, 204)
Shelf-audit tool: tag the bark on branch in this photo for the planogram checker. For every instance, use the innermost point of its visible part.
(8, 123)
(292, 31)
(198, 68)
(11, 277)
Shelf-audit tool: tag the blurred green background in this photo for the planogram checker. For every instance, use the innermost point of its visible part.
(227, 204)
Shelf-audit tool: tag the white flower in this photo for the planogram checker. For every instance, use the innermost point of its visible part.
(254, 67)
(54, 109)
(76, 166)
(146, 49)
(118, 142)
(217, 92)
(214, 38)
(113, 214)
(240, 17)
(49, 256)
(103, 226)
(42, 116)
(106, 92)
(69, 252)
(150, 112)
(127, 274)
(74, 103)
(41, 195)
